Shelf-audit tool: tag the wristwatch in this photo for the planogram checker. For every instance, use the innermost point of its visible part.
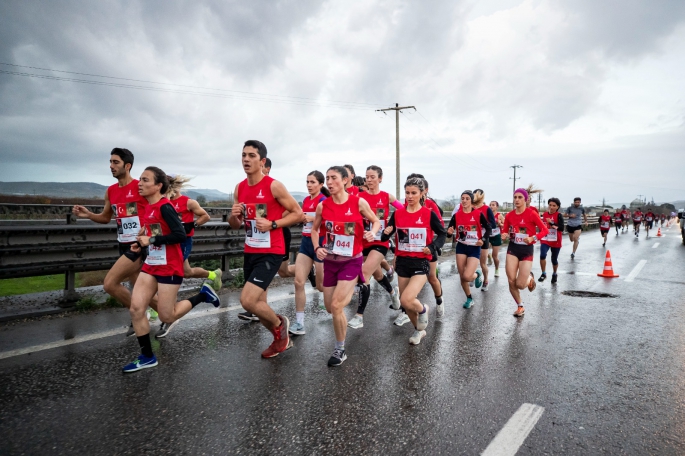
(535, 238)
(274, 225)
(152, 240)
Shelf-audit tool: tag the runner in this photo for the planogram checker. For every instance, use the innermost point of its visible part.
(349, 187)
(479, 204)
(340, 218)
(532, 191)
(306, 257)
(496, 239)
(122, 201)
(649, 221)
(469, 227)
(374, 251)
(260, 202)
(626, 217)
(604, 225)
(520, 226)
(555, 225)
(416, 245)
(574, 225)
(162, 272)
(637, 220)
(662, 218)
(433, 278)
(618, 220)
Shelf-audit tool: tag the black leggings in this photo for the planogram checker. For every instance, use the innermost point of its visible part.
(544, 248)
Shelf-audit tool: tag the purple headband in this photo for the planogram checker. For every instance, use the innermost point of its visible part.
(523, 192)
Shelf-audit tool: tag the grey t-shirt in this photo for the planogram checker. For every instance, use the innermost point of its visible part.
(578, 220)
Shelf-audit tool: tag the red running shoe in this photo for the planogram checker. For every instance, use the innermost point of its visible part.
(281, 341)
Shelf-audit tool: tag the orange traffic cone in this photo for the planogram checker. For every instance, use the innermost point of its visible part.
(658, 232)
(608, 268)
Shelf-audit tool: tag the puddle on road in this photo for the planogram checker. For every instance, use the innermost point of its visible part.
(587, 294)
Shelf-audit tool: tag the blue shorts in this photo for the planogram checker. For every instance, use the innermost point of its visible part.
(471, 251)
(307, 248)
(187, 247)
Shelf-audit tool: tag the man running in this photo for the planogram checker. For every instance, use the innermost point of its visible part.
(574, 225)
(122, 201)
(618, 220)
(637, 221)
(604, 225)
(260, 202)
(649, 221)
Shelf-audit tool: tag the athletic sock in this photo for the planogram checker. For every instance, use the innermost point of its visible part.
(146, 345)
(424, 310)
(212, 275)
(300, 317)
(385, 283)
(469, 296)
(340, 345)
(438, 300)
(198, 299)
(366, 293)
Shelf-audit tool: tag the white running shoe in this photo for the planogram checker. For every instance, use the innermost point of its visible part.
(402, 319)
(415, 338)
(422, 321)
(356, 322)
(440, 310)
(497, 272)
(489, 260)
(395, 299)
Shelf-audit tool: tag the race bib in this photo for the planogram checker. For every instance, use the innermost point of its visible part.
(307, 228)
(411, 239)
(128, 223)
(519, 238)
(649, 219)
(340, 244)
(496, 231)
(156, 255)
(380, 213)
(468, 234)
(552, 236)
(255, 238)
(604, 225)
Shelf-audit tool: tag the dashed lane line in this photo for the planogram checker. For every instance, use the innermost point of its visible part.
(636, 270)
(510, 438)
(656, 244)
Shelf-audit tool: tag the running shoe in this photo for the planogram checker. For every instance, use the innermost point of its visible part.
(554, 278)
(216, 283)
(415, 338)
(247, 316)
(440, 310)
(401, 319)
(422, 321)
(479, 278)
(142, 362)
(337, 358)
(312, 277)
(395, 298)
(484, 287)
(164, 329)
(542, 278)
(130, 331)
(573, 255)
(496, 272)
(297, 329)
(152, 314)
(489, 259)
(281, 341)
(356, 322)
(390, 274)
(531, 283)
(519, 311)
(468, 303)
(212, 297)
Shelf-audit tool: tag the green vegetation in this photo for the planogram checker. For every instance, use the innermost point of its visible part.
(238, 280)
(24, 285)
(86, 303)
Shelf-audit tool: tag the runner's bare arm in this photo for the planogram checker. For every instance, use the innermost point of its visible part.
(236, 218)
(286, 200)
(103, 217)
(202, 215)
(366, 211)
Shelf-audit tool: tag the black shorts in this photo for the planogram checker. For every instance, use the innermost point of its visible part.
(522, 252)
(169, 280)
(378, 248)
(287, 237)
(571, 229)
(603, 232)
(650, 224)
(125, 249)
(409, 267)
(486, 244)
(261, 268)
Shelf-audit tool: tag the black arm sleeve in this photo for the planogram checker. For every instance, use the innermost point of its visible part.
(453, 222)
(561, 223)
(178, 233)
(491, 218)
(440, 234)
(484, 223)
(391, 222)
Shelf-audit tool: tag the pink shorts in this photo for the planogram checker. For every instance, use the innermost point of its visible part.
(342, 270)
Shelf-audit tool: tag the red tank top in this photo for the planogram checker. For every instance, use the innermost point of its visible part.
(260, 203)
(413, 232)
(163, 260)
(184, 214)
(618, 217)
(309, 208)
(342, 228)
(430, 204)
(127, 206)
(469, 230)
(353, 190)
(553, 237)
(380, 205)
(604, 222)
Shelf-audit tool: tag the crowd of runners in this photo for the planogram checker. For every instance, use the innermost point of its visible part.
(348, 229)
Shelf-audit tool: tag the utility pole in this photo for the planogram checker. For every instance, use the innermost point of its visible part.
(515, 166)
(640, 197)
(539, 201)
(397, 110)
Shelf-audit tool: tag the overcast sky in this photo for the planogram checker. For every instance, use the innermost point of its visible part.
(586, 95)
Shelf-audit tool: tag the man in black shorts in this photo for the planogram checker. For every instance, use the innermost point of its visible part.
(575, 226)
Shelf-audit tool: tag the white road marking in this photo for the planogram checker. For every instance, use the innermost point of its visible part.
(636, 270)
(656, 244)
(510, 438)
(118, 331)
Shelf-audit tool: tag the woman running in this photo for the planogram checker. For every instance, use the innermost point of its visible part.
(374, 251)
(340, 219)
(306, 257)
(604, 225)
(162, 271)
(520, 226)
(496, 239)
(470, 227)
(479, 204)
(618, 221)
(554, 221)
(416, 245)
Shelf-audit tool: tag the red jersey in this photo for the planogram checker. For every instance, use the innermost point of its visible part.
(430, 204)
(309, 208)
(618, 217)
(380, 205)
(520, 226)
(353, 190)
(553, 237)
(604, 222)
(413, 233)
(637, 216)
(185, 215)
(468, 228)
(163, 260)
(649, 216)
(260, 203)
(127, 206)
(342, 227)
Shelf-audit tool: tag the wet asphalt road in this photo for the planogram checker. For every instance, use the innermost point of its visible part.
(608, 372)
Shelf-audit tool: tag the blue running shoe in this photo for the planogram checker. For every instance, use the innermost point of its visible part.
(468, 303)
(479, 278)
(142, 362)
(212, 297)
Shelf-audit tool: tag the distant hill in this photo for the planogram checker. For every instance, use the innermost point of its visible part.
(54, 189)
(209, 194)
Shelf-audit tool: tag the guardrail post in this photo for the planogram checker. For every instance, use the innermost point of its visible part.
(70, 296)
(223, 263)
